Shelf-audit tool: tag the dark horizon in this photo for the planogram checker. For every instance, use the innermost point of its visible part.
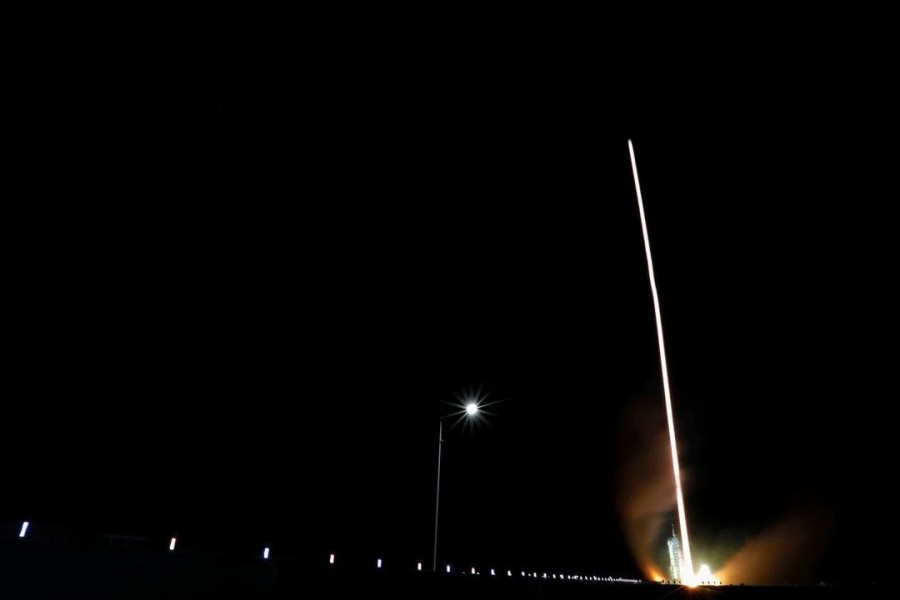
(240, 304)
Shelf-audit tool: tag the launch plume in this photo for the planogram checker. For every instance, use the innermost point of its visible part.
(687, 563)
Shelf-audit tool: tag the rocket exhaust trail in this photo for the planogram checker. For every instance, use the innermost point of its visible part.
(688, 566)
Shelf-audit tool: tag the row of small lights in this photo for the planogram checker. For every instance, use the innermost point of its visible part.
(379, 563)
(266, 553)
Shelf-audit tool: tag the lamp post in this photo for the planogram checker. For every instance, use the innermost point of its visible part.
(471, 411)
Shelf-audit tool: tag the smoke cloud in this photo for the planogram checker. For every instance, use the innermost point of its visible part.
(784, 552)
(645, 483)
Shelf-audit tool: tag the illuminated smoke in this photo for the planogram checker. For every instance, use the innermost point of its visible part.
(687, 562)
(644, 483)
(783, 553)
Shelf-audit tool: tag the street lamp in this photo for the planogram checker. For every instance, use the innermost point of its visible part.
(471, 411)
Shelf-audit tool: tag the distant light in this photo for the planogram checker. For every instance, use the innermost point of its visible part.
(492, 572)
(331, 559)
(266, 553)
(523, 573)
(509, 573)
(545, 576)
(448, 568)
(471, 409)
(379, 563)
(24, 529)
(554, 576)
(418, 566)
(172, 544)
(473, 570)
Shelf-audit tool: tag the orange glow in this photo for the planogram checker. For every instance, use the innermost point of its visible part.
(652, 573)
(645, 483)
(783, 552)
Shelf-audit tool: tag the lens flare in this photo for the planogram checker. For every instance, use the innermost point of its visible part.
(687, 563)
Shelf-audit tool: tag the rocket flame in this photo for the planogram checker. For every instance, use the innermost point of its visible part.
(687, 561)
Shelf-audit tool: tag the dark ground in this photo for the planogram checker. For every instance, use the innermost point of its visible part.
(101, 567)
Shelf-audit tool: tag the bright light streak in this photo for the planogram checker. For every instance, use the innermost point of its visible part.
(172, 544)
(509, 573)
(379, 563)
(687, 562)
(448, 568)
(266, 553)
(331, 559)
(24, 529)
(473, 570)
(492, 572)
(471, 409)
(418, 566)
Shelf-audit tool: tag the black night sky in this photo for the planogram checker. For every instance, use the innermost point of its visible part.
(241, 284)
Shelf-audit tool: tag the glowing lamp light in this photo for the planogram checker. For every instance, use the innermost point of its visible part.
(266, 553)
(471, 409)
(331, 559)
(379, 563)
(418, 566)
(24, 529)
(492, 572)
(172, 544)
(448, 568)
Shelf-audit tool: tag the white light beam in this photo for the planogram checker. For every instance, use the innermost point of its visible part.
(688, 565)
